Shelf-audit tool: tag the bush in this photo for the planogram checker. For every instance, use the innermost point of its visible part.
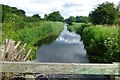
(12, 18)
(101, 42)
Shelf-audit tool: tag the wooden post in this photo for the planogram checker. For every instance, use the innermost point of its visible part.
(116, 77)
(29, 76)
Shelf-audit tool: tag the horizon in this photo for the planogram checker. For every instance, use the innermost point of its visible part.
(66, 8)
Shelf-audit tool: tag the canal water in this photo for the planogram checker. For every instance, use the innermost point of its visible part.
(67, 48)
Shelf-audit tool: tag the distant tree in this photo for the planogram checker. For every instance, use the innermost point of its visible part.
(54, 16)
(105, 13)
(70, 20)
(82, 19)
(45, 16)
(21, 12)
(34, 18)
(78, 18)
(12, 11)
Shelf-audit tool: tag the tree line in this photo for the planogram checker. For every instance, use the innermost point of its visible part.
(12, 14)
(105, 13)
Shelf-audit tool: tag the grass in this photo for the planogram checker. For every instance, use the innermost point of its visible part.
(34, 34)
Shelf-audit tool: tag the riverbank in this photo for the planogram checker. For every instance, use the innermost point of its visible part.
(34, 34)
(101, 42)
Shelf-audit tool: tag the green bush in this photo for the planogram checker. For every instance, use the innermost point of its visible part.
(12, 18)
(101, 42)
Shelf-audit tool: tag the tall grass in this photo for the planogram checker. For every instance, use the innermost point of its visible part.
(34, 34)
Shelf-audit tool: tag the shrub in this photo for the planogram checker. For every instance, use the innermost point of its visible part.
(101, 42)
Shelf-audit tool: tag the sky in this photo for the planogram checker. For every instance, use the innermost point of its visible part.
(66, 7)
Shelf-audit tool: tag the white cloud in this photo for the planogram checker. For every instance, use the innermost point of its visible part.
(67, 7)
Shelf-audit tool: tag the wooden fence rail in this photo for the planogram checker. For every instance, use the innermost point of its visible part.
(11, 52)
(60, 68)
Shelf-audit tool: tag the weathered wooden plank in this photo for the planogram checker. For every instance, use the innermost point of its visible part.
(12, 52)
(60, 68)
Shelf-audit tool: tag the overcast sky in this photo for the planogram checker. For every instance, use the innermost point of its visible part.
(66, 7)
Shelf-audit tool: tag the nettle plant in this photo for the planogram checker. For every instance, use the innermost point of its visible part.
(112, 53)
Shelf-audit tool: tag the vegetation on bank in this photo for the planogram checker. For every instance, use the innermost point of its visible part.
(100, 37)
(33, 33)
(101, 42)
(34, 30)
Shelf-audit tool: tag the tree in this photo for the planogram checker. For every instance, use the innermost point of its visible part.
(54, 16)
(34, 18)
(45, 16)
(82, 19)
(70, 20)
(12, 11)
(78, 19)
(105, 13)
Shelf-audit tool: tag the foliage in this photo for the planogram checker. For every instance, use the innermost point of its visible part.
(12, 18)
(105, 13)
(78, 19)
(34, 34)
(31, 30)
(54, 16)
(82, 19)
(34, 18)
(75, 27)
(70, 20)
(101, 42)
(9, 11)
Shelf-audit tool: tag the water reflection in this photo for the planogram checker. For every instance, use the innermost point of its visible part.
(66, 48)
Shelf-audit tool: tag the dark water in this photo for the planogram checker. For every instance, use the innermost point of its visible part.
(67, 48)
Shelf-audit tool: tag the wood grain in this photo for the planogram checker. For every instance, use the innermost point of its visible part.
(60, 68)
